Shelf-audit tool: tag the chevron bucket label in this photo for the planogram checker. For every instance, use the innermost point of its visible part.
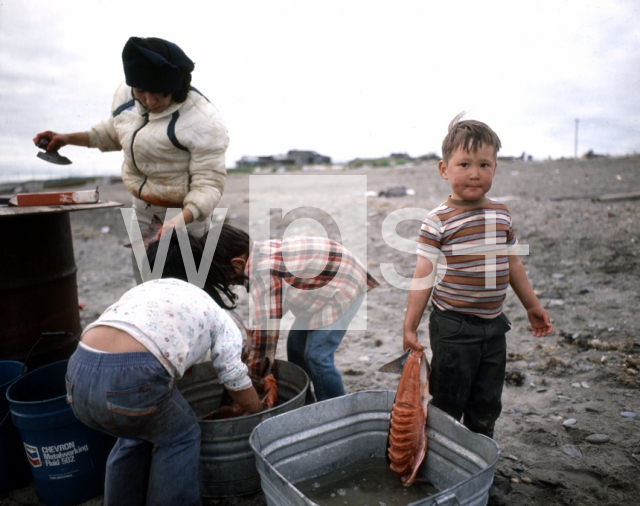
(60, 460)
(33, 455)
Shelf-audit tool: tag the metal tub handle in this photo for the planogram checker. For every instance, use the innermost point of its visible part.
(447, 500)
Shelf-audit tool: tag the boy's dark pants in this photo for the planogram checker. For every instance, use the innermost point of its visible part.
(468, 367)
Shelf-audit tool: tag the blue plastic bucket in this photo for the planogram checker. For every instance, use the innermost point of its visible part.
(14, 469)
(67, 458)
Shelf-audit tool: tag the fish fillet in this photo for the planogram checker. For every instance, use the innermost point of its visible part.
(407, 435)
(153, 232)
(269, 397)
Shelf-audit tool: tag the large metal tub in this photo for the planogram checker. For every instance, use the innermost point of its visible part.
(226, 459)
(320, 438)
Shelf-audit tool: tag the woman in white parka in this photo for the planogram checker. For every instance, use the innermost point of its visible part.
(173, 139)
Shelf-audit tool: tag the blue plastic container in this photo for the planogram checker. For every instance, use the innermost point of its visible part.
(14, 469)
(67, 458)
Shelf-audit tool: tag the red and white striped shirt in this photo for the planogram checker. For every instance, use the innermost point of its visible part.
(475, 239)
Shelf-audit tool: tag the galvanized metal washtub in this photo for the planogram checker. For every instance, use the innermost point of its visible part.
(320, 438)
(226, 459)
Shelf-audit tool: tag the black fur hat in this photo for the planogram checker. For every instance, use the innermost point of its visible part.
(155, 65)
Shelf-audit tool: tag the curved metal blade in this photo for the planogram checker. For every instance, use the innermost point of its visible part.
(54, 157)
(396, 365)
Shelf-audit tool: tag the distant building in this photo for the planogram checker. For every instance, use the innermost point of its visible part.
(307, 158)
(428, 157)
(247, 161)
(283, 160)
(293, 157)
(591, 154)
(254, 161)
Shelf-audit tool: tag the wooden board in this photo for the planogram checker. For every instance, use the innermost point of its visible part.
(12, 210)
(55, 198)
(618, 196)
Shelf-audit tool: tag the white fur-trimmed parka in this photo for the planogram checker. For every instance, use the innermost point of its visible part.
(175, 158)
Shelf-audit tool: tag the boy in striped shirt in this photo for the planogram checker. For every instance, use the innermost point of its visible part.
(473, 236)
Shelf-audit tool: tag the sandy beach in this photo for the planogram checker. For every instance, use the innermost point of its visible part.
(584, 264)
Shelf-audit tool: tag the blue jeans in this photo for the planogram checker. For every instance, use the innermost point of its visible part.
(313, 351)
(131, 396)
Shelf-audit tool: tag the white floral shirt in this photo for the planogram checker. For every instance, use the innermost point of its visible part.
(180, 323)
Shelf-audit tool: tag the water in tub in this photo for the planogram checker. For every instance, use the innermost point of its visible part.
(366, 482)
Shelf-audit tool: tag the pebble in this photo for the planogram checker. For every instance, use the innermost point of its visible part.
(572, 451)
(564, 398)
(512, 457)
(541, 390)
(627, 394)
(515, 480)
(629, 414)
(597, 438)
(569, 421)
(575, 385)
(526, 479)
(584, 384)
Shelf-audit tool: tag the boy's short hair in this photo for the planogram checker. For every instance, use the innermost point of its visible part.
(469, 135)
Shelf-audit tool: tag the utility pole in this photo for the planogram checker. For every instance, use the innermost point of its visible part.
(575, 149)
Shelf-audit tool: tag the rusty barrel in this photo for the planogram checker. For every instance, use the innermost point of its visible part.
(38, 289)
(227, 462)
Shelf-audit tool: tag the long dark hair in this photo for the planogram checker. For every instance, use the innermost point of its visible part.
(232, 243)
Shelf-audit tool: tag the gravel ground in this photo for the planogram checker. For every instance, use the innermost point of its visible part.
(580, 381)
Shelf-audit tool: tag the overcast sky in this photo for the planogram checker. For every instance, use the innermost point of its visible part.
(345, 78)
